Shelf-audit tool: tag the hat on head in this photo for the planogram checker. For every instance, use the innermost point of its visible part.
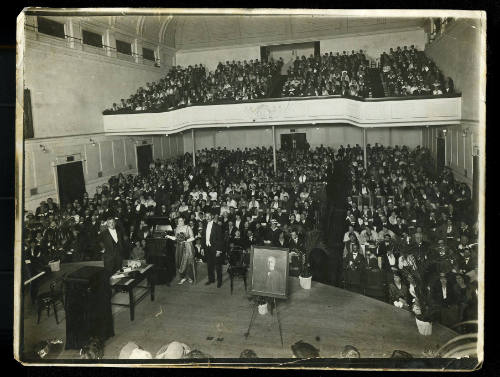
(133, 351)
(174, 350)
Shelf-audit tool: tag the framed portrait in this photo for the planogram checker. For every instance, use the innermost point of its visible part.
(269, 271)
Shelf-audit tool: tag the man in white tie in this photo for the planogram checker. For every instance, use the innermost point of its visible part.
(213, 243)
(112, 242)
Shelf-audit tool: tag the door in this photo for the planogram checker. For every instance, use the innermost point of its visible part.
(440, 154)
(295, 141)
(286, 142)
(70, 182)
(144, 158)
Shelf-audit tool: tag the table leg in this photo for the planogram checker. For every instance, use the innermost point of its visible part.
(132, 303)
(152, 288)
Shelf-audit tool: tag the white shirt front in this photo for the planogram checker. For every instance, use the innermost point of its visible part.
(444, 291)
(208, 232)
(113, 234)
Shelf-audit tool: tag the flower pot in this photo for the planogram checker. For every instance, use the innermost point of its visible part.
(424, 328)
(305, 282)
(263, 309)
(55, 265)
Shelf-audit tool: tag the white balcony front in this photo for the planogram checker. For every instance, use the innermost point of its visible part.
(368, 113)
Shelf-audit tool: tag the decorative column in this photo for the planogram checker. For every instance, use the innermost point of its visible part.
(274, 149)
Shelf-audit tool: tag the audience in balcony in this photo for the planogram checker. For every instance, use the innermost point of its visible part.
(404, 72)
(231, 81)
(409, 72)
(329, 74)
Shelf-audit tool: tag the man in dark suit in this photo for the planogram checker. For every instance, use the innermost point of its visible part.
(213, 243)
(112, 242)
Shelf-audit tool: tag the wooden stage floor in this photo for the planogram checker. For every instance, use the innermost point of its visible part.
(327, 317)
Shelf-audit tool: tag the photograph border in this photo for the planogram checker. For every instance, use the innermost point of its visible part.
(19, 157)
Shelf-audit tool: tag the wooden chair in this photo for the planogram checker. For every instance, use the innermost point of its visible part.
(353, 281)
(238, 260)
(46, 300)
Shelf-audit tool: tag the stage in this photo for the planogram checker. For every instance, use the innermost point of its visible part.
(213, 321)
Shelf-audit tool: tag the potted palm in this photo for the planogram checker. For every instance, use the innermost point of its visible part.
(305, 276)
(422, 307)
(312, 240)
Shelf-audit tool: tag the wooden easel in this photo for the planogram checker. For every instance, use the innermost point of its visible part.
(252, 319)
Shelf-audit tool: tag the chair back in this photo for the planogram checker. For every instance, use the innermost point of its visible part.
(237, 257)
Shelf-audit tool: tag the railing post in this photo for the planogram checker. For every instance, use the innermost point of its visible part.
(194, 149)
(364, 148)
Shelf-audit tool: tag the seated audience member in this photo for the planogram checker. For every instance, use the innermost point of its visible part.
(303, 350)
(355, 261)
(248, 354)
(350, 352)
(444, 296)
(173, 350)
(138, 252)
(398, 292)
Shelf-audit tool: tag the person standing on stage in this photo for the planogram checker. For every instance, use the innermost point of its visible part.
(112, 242)
(213, 242)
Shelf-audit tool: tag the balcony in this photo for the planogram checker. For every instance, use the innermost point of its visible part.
(367, 113)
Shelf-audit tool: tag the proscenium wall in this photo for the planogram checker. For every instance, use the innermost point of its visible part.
(329, 135)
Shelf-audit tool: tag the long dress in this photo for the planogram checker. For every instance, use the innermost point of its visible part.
(184, 253)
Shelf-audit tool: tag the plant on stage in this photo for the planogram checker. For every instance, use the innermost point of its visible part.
(305, 268)
(312, 240)
(423, 307)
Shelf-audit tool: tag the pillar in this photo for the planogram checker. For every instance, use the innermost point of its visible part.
(274, 149)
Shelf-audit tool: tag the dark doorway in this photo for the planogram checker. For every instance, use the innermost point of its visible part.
(144, 158)
(295, 141)
(440, 154)
(264, 53)
(70, 182)
(317, 50)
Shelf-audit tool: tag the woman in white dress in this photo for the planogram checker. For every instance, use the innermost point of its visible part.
(184, 252)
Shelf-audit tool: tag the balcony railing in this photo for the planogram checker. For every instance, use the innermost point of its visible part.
(363, 112)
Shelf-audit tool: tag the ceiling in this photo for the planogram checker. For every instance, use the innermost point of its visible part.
(187, 32)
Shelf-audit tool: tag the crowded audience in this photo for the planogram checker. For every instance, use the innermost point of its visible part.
(400, 217)
(399, 214)
(231, 81)
(329, 74)
(409, 72)
(403, 72)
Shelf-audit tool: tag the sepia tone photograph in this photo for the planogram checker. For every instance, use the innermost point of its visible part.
(250, 188)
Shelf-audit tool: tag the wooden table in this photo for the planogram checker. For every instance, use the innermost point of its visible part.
(128, 283)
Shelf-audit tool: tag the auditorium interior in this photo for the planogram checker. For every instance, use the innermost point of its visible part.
(348, 148)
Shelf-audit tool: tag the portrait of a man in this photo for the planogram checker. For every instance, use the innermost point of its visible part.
(269, 271)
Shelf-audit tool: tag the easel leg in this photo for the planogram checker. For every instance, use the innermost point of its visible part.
(251, 321)
(278, 319)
